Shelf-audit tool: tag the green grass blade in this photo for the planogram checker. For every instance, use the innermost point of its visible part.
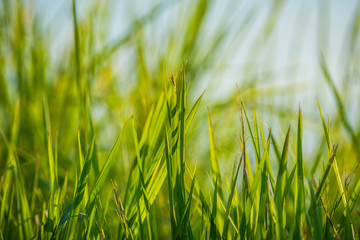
(229, 203)
(289, 181)
(300, 196)
(256, 134)
(255, 184)
(213, 228)
(52, 166)
(340, 106)
(327, 171)
(183, 223)
(331, 152)
(192, 112)
(268, 164)
(215, 168)
(314, 214)
(182, 128)
(280, 187)
(102, 176)
(80, 191)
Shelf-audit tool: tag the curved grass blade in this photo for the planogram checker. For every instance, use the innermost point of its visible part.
(341, 107)
(331, 153)
(229, 204)
(215, 168)
(102, 176)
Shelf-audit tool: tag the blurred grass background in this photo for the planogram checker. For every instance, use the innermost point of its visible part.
(83, 65)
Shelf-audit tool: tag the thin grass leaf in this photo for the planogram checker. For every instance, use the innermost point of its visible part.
(314, 214)
(300, 195)
(255, 185)
(229, 204)
(340, 106)
(215, 168)
(192, 112)
(327, 171)
(280, 187)
(184, 221)
(268, 164)
(102, 176)
(331, 152)
(213, 228)
(289, 182)
(80, 191)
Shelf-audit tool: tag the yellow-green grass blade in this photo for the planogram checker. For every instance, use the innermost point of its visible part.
(331, 152)
(268, 164)
(289, 182)
(213, 228)
(25, 228)
(7, 206)
(5, 190)
(352, 201)
(315, 214)
(205, 205)
(81, 157)
(192, 112)
(91, 220)
(52, 170)
(170, 185)
(276, 148)
(345, 218)
(152, 188)
(145, 134)
(102, 176)
(280, 187)
(247, 172)
(182, 128)
(251, 135)
(82, 161)
(259, 229)
(326, 173)
(80, 192)
(184, 221)
(63, 192)
(256, 134)
(300, 195)
(340, 106)
(156, 124)
(55, 191)
(141, 231)
(140, 162)
(229, 203)
(157, 165)
(215, 168)
(255, 185)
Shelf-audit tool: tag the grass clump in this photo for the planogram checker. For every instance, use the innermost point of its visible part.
(255, 204)
(82, 157)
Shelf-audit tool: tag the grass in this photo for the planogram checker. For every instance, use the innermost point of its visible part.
(157, 158)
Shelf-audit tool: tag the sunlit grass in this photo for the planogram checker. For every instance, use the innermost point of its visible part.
(83, 156)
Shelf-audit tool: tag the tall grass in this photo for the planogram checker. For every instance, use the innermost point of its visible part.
(157, 158)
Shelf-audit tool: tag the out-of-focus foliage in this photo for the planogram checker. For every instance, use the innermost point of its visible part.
(108, 133)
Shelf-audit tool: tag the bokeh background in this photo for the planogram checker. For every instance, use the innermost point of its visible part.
(273, 54)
